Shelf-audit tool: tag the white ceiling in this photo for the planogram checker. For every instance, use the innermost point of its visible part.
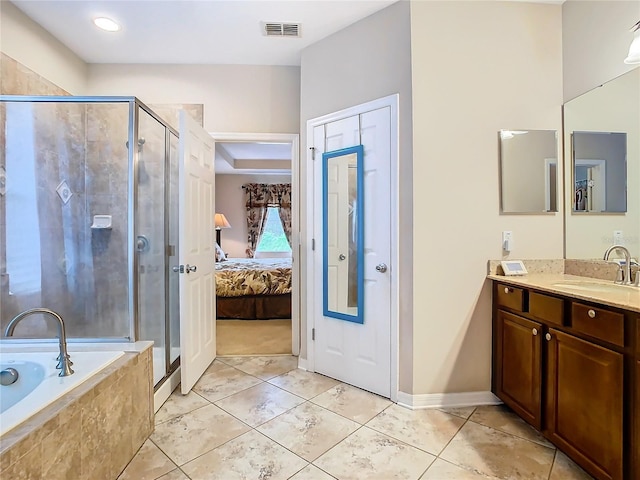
(253, 158)
(200, 32)
(194, 31)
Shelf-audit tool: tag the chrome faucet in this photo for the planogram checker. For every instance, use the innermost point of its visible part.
(64, 361)
(626, 270)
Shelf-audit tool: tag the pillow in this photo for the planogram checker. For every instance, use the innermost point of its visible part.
(220, 255)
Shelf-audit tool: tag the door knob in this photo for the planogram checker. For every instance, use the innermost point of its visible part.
(190, 268)
(341, 257)
(178, 268)
(381, 267)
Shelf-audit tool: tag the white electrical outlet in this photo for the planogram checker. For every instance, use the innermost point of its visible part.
(618, 238)
(507, 240)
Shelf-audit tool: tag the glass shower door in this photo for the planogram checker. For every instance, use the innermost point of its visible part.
(150, 238)
(174, 278)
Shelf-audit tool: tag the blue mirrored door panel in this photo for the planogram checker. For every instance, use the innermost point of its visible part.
(343, 228)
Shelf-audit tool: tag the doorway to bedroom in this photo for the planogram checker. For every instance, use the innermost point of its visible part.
(257, 209)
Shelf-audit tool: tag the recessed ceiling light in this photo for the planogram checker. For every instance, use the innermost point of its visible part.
(106, 24)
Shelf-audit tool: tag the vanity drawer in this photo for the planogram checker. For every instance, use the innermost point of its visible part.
(599, 323)
(510, 297)
(546, 308)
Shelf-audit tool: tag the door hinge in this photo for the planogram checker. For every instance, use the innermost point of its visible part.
(313, 152)
(313, 244)
(313, 334)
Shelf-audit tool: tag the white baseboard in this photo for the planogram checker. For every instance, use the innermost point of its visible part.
(447, 400)
(302, 363)
(165, 390)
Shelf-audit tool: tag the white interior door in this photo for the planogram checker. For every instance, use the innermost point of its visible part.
(197, 281)
(359, 354)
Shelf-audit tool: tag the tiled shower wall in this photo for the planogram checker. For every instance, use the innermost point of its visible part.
(83, 271)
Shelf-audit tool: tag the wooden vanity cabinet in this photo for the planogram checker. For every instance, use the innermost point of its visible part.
(584, 403)
(636, 402)
(519, 372)
(636, 435)
(553, 370)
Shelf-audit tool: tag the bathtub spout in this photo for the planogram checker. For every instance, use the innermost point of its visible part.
(64, 361)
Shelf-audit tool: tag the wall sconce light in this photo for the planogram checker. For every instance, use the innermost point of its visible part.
(634, 49)
(221, 222)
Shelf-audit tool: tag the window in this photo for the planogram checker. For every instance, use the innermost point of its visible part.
(273, 238)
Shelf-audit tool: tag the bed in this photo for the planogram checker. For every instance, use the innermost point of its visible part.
(252, 288)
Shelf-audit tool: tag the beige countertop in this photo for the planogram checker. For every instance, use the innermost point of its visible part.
(582, 288)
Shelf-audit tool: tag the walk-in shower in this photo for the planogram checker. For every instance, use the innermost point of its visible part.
(89, 226)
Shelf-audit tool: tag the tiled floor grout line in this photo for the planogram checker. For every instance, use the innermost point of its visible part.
(466, 420)
(310, 401)
(553, 462)
(165, 454)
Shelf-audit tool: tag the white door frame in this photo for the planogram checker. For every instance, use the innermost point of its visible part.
(392, 102)
(294, 139)
(548, 162)
(601, 165)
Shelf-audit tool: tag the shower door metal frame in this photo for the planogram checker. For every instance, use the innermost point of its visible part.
(134, 105)
(135, 117)
(131, 190)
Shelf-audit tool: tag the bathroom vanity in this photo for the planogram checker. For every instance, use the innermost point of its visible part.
(566, 358)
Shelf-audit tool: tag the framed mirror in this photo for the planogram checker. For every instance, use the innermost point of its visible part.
(529, 172)
(607, 114)
(599, 172)
(343, 230)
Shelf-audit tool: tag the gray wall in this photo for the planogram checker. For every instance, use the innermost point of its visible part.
(595, 41)
(368, 60)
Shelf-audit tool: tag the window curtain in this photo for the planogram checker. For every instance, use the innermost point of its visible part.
(259, 197)
(283, 193)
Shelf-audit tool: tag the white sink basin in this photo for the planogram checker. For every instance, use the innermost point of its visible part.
(595, 287)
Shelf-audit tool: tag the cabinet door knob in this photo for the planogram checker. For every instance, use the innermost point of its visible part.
(548, 337)
(507, 289)
(591, 313)
(534, 331)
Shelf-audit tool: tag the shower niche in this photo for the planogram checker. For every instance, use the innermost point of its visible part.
(89, 221)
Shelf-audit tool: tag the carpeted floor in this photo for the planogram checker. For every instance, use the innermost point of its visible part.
(253, 337)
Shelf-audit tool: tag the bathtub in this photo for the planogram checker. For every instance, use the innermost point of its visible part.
(39, 385)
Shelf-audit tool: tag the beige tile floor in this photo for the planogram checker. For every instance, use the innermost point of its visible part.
(261, 418)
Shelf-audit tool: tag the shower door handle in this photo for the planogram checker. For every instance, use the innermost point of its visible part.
(184, 268)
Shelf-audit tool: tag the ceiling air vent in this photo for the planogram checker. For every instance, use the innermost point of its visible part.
(273, 29)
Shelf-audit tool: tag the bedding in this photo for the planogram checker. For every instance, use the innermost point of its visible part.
(251, 288)
(236, 277)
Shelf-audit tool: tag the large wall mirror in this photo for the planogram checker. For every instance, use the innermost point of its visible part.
(343, 231)
(529, 172)
(602, 168)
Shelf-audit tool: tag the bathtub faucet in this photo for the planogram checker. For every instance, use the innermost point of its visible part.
(64, 362)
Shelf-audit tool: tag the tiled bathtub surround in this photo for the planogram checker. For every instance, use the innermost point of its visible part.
(91, 433)
(230, 428)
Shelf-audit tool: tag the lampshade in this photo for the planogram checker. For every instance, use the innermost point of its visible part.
(634, 49)
(221, 221)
